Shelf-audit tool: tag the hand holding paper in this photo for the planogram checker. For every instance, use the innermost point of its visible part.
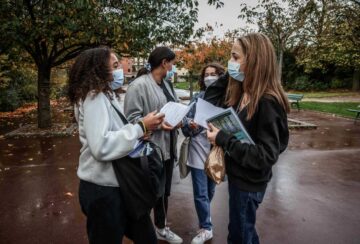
(205, 110)
(175, 112)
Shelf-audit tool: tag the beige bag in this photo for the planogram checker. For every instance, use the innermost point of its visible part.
(183, 158)
(215, 165)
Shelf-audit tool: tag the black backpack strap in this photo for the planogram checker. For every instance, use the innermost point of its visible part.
(122, 117)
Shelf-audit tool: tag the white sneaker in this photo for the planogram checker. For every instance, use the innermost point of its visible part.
(167, 235)
(202, 236)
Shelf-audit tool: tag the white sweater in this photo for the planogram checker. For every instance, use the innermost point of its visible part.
(104, 137)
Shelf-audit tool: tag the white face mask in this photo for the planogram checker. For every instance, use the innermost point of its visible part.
(210, 80)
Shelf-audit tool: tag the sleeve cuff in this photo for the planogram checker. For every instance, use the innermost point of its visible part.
(222, 138)
(139, 130)
(141, 125)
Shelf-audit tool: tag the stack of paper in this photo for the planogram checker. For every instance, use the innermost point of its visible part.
(175, 112)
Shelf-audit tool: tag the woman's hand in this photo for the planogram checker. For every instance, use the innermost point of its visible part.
(166, 126)
(180, 125)
(212, 133)
(152, 120)
(147, 136)
(193, 125)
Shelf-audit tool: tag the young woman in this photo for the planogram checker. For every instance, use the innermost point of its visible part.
(104, 137)
(255, 92)
(150, 91)
(199, 148)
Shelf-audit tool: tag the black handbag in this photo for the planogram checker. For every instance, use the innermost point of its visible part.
(141, 180)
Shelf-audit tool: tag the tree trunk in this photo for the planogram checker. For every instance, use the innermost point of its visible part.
(281, 54)
(44, 112)
(190, 77)
(356, 79)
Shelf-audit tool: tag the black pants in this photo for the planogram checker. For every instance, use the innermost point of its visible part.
(106, 216)
(161, 207)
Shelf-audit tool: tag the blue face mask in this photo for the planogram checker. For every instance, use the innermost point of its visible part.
(118, 81)
(234, 71)
(170, 73)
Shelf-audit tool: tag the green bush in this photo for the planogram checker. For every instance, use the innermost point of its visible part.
(58, 90)
(337, 83)
(301, 83)
(9, 99)
(304, 83)
(318, 86)
(20, 88)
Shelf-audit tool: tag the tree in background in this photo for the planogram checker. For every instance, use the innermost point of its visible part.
(322, 36)
(53, 32)
(198, 53)
(331, 38)
(280, 21)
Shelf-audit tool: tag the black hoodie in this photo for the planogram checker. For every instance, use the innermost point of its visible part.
(249, 166)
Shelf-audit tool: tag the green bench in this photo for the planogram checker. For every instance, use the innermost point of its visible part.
(294, 99)
(357, 111)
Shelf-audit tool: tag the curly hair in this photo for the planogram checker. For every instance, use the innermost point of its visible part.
(90, 72)
(219, 70)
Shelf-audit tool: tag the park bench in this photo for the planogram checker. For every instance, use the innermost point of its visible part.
(357, 112)
(294, 99)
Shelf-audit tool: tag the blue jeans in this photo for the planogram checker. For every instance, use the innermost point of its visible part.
(242, 215)
(203, 189)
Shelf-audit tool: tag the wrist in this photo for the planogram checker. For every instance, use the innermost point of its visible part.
(142, 125)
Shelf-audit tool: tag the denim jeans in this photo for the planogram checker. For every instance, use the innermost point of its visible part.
(203, 189)
(242, 215)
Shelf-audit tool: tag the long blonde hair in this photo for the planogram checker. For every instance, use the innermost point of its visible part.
(261, 76)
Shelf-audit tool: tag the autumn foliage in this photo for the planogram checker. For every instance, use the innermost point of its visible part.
(197, 54)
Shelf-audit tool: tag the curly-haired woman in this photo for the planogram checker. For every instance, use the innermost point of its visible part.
(104, 137)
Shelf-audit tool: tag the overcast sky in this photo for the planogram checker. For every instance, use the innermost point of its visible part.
(222, 19)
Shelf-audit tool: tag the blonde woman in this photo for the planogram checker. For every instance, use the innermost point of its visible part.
(255, 92)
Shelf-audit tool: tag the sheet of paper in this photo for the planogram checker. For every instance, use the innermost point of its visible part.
(175, 112)
(204, 111)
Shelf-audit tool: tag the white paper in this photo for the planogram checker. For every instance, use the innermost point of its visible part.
(204, 111)
(175, 112)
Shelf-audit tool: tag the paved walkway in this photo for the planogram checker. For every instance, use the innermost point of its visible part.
(313, 197)
(339, 99)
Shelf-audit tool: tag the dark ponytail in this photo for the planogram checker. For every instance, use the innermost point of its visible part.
(155, 59)
(142, 71)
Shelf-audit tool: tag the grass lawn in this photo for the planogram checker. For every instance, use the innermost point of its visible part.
(186, 85)
(182, 85)
(333, 108)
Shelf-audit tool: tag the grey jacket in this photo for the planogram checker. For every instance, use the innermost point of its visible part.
(143, 96)
(103, 138)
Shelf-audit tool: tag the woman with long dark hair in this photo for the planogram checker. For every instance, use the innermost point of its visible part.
(199, 149)
(104, 138)
(150, 91)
